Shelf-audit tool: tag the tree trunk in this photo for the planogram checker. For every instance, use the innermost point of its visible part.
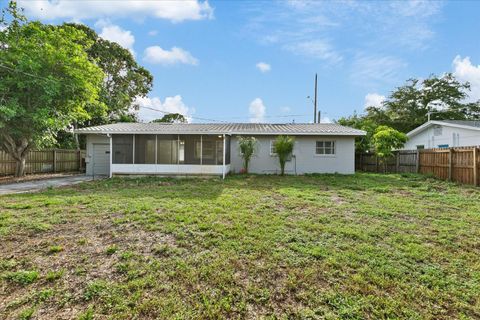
(282, 168)
(20, 167)
(18, 149)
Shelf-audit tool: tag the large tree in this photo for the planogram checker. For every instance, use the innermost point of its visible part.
(124, 81)
(408, 106)
(47, 82)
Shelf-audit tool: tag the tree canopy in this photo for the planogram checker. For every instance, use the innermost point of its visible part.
(408, 107)
(124, 80)
(172, 118)
(47, 82)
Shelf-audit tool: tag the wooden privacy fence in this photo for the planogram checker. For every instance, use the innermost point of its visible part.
(44, 161)
(460, 164)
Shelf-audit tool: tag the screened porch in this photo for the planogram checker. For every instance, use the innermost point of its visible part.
(170, 154)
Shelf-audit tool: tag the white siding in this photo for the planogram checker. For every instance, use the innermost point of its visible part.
(451, 136)
(306, 160)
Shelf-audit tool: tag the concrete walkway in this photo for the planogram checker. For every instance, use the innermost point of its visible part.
(31, 186)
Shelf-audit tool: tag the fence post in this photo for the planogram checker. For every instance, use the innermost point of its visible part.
(475, 166)
(450, 164)
(54, 160)
(417, 162)
(79, 155)
(397, 166)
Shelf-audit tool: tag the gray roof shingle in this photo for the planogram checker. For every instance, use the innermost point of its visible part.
(224, 128)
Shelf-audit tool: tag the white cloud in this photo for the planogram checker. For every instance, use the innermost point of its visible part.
(257, 111)
(263, 67)
(116, 34)
(368, 70)
(175, 11)
(325, 120)
(319, 49)
(464, 70)
(157, 55)
(173, 104)
(152, 33)
(316, 28)
(374, 100)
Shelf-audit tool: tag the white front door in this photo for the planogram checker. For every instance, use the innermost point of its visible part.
(101, 159)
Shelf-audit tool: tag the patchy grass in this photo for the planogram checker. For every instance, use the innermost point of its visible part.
(320, 246)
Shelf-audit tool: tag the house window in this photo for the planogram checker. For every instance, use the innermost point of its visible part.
(122, 147)
(145, 149)
(273, 152)
(325, 148)
(420, 147)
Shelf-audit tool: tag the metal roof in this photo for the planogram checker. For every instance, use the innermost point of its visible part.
(465, 124)
(224, 128)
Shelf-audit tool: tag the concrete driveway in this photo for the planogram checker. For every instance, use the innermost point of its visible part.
(32, 186)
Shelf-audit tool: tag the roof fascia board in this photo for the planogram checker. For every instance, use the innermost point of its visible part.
(359, 134)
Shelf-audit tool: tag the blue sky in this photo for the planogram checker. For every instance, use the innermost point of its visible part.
(255, 61)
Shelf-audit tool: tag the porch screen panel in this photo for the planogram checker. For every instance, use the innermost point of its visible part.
(122, 148)
(167, 149)
(212, 150)
(145, 149)
(227, 149)
(189, 149)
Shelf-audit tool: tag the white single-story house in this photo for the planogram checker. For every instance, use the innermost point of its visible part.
(444, 134)
(212, 149)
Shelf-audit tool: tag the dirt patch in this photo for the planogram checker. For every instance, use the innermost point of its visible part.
(82, 256)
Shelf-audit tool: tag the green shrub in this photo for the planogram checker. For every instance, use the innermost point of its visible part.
(22, 277)
(54, 275)
(55, 249)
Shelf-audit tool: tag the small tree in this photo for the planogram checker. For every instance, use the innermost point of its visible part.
(386, 140)
(247, 147)
(283, 149)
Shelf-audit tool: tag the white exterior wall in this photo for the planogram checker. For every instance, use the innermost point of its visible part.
(167, 169)
(454, 137)
(304, 154)
(91, 139)
(304, 161)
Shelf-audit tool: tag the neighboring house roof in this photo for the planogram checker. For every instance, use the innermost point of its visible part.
(464, 124)
(224, 128)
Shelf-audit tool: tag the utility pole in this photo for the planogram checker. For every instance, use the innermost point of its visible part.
(315, 103)
(319, 116)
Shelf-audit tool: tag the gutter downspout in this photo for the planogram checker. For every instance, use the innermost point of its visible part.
(223, 163)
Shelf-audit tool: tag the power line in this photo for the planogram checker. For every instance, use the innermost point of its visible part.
(167, 112)
(161, 111)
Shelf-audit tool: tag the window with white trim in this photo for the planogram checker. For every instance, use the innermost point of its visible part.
(325, 148)
(273, 152)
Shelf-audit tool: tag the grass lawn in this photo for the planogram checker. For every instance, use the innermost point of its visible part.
(352, 247)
